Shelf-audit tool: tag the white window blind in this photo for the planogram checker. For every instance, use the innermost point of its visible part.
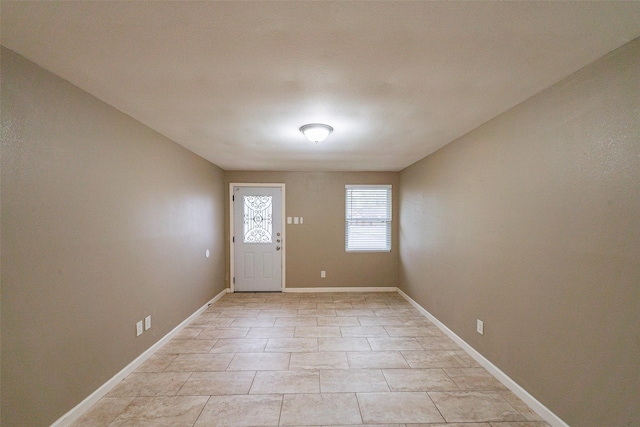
(368, 218)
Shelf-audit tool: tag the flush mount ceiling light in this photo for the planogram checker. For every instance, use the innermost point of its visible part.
(316, 132)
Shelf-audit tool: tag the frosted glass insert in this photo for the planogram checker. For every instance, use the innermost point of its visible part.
(258, 219)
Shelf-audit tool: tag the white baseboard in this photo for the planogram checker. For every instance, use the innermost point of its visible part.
(343, 289)
(77, 411)
(527, 398)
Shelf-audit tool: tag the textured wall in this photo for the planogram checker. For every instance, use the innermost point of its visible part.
(531, 223)
(103, 223)
(318, 244)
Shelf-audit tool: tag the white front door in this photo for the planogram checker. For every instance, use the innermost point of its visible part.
(258, 239)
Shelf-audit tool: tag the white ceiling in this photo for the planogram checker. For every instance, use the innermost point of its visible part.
(233, 81)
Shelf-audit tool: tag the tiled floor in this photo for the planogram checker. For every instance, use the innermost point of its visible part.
(311, 359)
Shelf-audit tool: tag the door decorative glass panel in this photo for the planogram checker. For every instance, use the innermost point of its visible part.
(258, 219)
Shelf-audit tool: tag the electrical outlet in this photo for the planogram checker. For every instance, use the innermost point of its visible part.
(323, 274)
(480, 326)
(139, 328)
(147, 323)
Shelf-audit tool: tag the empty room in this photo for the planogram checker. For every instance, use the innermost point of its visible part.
(320, 213)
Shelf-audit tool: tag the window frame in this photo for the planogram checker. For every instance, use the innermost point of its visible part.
(375, 221)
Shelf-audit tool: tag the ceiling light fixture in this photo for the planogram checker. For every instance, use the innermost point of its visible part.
(316, 132)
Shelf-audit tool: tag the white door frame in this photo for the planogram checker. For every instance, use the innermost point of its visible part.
(231, 229)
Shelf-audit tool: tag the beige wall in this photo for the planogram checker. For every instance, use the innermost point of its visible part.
(318, 244)
(103, 223)
(532, 223)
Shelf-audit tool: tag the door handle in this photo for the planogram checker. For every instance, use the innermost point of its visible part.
(277, 248)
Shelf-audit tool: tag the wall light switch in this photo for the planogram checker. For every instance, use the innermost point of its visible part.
(139, 328)
(296, 220)
(288, 220)
(147, 323)
(480, 327)
(323, 274)
(300, 220)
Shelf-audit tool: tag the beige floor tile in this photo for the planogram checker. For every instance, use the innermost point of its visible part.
(190, 332)
(320, 409)
(416, 321)
(451, 425)
(222, 322)
(264, 322)
(343, 344)
(395, 343)
(102, 413)
(311, 359)
(352, 380)
(200, 362)
(316, 331)
(376, 360)
(408, 331)
(264, 305)
(350, 312)
(215, 333)
(205, 318)
(239, 345)
(379, 321)
(411, 407)
(371, 425)
(437, 343)
(477, 379)
(298, 306)
(247, 410)
(239, 313)
(338, 321)
(316, 313)
(296, 321)
(319, 360)
(150, 384)
(275, 332)
(280, 382)
(284, 312)
(292, 345)
(474, 407)
(369, 305)
(176, 346)
(467, 359)
(157, 363)
(419, 380)
(176, 411)
(398, 312)
(217, 383)
(334, 305)
(433, 359)
(363, 331)
(528, 413)
(260, 362)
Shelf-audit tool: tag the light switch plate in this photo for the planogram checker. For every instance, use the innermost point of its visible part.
(147, 323)
(296, 220)
(139, 328)
(480, 327)
(288, 220)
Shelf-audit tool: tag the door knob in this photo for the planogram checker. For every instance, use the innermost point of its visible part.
(277, 248)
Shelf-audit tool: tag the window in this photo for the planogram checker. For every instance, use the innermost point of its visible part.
(368, 218)
(258, 214)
